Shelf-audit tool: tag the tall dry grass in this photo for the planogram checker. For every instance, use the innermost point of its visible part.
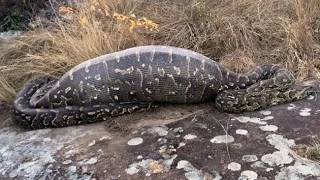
(239, 33)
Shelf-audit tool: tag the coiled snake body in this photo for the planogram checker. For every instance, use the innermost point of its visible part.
(134, 79)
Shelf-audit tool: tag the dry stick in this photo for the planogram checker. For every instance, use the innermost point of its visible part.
(226, 131)
(55, 13)
(188, 115)
(194, 118)
(164, 122)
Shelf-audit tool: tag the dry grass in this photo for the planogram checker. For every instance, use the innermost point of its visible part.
(310, 152)
(241, 34)
(7, 91)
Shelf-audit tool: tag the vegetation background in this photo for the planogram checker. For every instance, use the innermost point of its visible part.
(238, 33)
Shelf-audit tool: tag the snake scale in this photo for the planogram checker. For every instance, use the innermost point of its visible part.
(136, 78)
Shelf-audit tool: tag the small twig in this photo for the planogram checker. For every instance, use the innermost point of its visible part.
(194, 118)
(227, 146)
(188, 115)
(226, 131)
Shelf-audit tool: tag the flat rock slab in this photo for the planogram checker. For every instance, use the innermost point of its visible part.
(170, 142)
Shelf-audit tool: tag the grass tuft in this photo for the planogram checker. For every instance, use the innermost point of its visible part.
(7, 91)
(311, 151)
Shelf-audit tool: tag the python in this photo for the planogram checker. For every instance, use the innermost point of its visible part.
(134, 79)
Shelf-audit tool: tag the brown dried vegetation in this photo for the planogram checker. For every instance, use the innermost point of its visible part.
(241, 34)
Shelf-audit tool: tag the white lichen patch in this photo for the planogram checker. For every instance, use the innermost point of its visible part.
(305, 112)
(256, 120)
(267, 118)
(269, 128)
(158, 130)
(310, 97)
(269, 169)
(93, 142)
(234, 166)
(72, 169)
(135, 132)
(150, 166)
(163, 149)
(299, 171)
(178, 129)
(28, 155)
(183, 164)
(190, 136)
(241, 132)
(302, 169)
(277, 158)
(306, 109)
(281, 157)
(248, 175)
(258, 164)
(67, 161)
(135, 141)
(168, 162)
(291, 106)
(84, 169)
(70, 153)
(249, 158)
(181, 144)
(91, 161)
(222, 139)
(194, 174)
(266, 113)
(9, 35)
(162, 140)
(136, 167)
(280, 143)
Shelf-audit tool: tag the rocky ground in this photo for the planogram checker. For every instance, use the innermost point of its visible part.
(170, 142)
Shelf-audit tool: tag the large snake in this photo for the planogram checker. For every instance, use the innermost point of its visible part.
(136, 78)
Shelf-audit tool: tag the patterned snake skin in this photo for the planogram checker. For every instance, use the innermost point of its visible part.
(136, 78)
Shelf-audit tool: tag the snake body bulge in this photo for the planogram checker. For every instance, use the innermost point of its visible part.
(133, 79)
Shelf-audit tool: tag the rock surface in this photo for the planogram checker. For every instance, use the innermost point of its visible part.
(169, 142)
